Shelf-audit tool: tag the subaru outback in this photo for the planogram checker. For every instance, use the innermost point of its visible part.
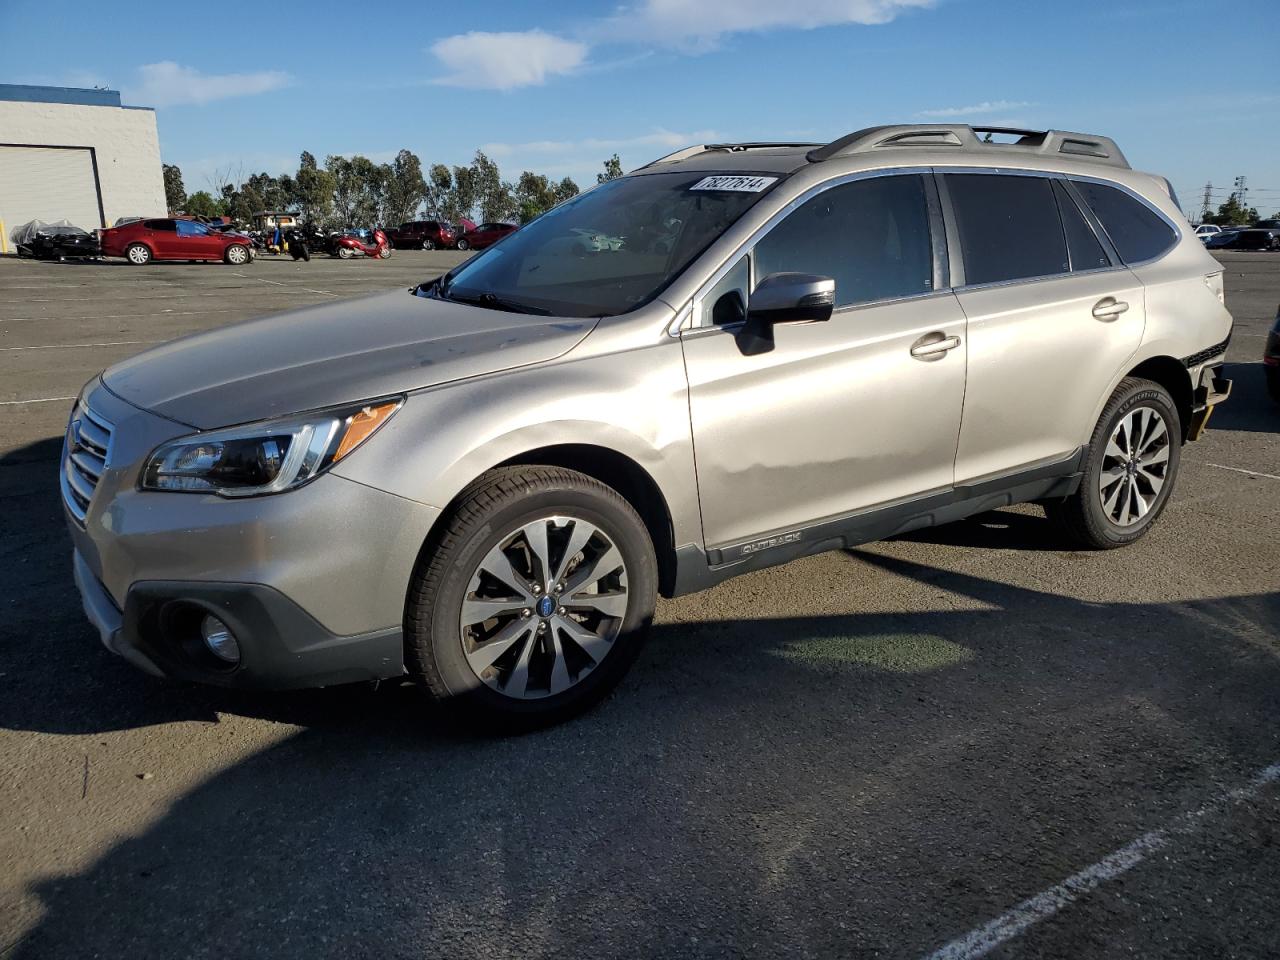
(482, 484)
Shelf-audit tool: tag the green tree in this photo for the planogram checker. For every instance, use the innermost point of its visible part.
(534, 194)
(565, 189)
(203, 204)
(495, 198)
(359, 186)
(406, 188)
(313, 191)
(612, 170)
(439, 190)
(1232, 214)
(175, 195)
(462, 199)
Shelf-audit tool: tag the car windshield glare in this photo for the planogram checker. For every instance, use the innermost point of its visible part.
(610, 250)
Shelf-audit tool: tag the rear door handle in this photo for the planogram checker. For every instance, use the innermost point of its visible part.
(1108, 309)
(933, 346)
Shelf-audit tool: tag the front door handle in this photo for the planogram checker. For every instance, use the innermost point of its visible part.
(1108, 309)
(933, 346)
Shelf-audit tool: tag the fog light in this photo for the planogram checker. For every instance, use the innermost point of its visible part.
(219, 639)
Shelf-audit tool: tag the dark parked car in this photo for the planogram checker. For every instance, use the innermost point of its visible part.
(1245, 238)
(424, 235)
(485, 235)
(1271, 359)
(54, 241)
(167, 239)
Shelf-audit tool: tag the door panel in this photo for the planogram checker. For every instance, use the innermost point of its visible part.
(837, 417)
(1039, 362)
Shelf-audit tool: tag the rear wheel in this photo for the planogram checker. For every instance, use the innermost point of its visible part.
(1130, 469)
(346, 253)
(463, 244)
(428, 244)
(534, 600)
(1273, 383)
(237, 254)
(138, 254)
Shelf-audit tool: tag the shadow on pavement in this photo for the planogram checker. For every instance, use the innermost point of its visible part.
(1249, 408)
(860, 784)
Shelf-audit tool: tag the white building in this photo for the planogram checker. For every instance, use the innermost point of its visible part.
(75, 154)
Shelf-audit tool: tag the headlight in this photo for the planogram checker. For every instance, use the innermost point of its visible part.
(267, 457)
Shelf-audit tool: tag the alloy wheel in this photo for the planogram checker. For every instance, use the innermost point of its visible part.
(1135, 466)
(544, 607)
(237, 254)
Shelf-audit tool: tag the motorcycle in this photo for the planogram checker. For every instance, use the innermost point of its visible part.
(348, 246)
(296, 241)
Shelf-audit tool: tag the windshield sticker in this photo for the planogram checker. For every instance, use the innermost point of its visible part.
(738, 184)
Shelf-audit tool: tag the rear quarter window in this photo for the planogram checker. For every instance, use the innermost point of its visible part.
(1136, 231)
(1009, 227)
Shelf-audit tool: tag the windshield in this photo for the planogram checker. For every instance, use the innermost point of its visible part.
(607, 251)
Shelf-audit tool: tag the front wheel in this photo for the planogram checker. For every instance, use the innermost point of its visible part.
(237, 255)
(385, 253)
(428, 244)
(138, 254)
(534, 600)
(1273, 383)
(1129, 471)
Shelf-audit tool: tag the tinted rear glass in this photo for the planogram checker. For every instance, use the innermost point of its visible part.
(1009, 227)
(1136, 231)
(1086, 251)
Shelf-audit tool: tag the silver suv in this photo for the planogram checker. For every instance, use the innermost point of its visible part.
(783, 349)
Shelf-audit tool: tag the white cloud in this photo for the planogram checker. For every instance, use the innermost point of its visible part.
(504, 61)
(168, 84)
(699, 26)
(986, 106)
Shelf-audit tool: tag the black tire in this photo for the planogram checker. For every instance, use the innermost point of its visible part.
(464, 245)
(1273, 383)
(1082, 517)
(138, 254)
(487, 512)
(428, 244)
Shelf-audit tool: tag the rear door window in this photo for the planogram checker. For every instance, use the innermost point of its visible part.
(1136, 231)
(1086, 250)
(1009, 227)
(166, 225)
(871, 236)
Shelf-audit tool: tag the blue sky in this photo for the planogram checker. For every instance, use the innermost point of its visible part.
(1187, 87)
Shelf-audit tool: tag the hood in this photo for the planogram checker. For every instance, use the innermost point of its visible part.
(331, 354)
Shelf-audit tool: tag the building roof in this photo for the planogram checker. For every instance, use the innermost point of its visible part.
(77, 95)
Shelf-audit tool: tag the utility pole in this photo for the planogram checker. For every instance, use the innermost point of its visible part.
(1204, 207)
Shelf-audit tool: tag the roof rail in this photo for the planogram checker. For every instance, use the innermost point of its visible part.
(687, 152)
(1083, 146)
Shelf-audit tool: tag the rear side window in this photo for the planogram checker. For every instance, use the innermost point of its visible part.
(871, 236)
(1082, 243)
(1136, 231)
(1009, 227)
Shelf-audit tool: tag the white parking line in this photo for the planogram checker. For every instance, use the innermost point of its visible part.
(1252, 473)
(982, 940)
(12, 403)
(70, 346)
(291, 286)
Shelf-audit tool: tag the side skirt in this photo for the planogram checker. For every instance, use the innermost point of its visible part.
(697, 569)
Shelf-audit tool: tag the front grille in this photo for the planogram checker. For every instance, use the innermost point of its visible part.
(85, 456)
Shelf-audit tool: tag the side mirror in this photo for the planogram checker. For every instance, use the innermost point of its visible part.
(784, 298)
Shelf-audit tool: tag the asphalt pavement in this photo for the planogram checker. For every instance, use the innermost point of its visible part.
(966, 740)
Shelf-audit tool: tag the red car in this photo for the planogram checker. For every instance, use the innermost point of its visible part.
(142, 241)
(484, 235)
(422, 234)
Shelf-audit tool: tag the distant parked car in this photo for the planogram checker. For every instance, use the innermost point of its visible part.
(1271, 359)
(166, 239)
(485, 235)
(1245, 238)
(1207, 230)
(423, 234)
(54, 241)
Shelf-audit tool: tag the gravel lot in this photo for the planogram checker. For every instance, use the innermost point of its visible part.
(872, 753)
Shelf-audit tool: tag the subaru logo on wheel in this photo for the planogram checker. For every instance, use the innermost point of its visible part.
(546, 607)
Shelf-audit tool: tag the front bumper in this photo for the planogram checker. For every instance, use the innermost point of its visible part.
(312, 581)
(281, 645)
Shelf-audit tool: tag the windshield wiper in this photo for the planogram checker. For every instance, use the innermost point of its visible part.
(494, 302)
